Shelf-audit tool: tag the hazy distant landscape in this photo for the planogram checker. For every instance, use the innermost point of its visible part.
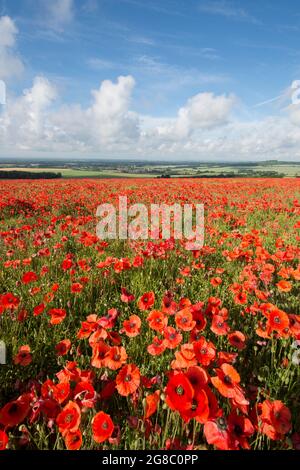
(148, 169)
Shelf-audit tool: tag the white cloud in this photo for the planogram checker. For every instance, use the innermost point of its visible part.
(202, 111)
(10, 64)
(107, 123)
(61, 12)
(30, 121)
(23, 123)
(203, 128)
(109, 115)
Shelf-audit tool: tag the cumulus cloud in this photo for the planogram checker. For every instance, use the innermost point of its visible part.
(24, 121)
(107, 123)
(10, 63)
(109, 115)
(202, 111)
(30, 121)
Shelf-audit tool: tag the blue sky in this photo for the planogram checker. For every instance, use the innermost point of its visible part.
(183, 57)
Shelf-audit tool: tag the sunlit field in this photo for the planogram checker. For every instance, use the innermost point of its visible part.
(145, 344)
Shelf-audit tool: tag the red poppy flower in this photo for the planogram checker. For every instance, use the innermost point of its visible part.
(85, 395)
(171, 337)
(168, 304)
(226, 357)
(184, 302)
(63, 347)
(85, 330)
(216, 281)
(57, 315)
(48, 297)
(278, 321)
(68, 419)
(126, 296)
(214, 410)
(9, 301)
(276, 419)
(237, 339)
(132, 326)
(38, 310)
(67, 264)
(102, 427)
(128, 379)
(240, 298)
(217, 434)
(151, 404)
(23, 357)
(14, 412)
(198, 409)
(109, 320)
(184, 319)
(226, 380)
(98, 336)
(47, 388)
(29, 277)
(213, 307)
(76, 288)
(100, 350)
(61, 392)
(240, 429)
(284, 286)
(114, 338)
(205, 351)
(157, 347)
(179, 392)
(197, 377)
(263, 331)
(157, 320)
(147, 300)
(3, 440)
(219, 326)
(199, 319)
(73, 440)
(295, 325)
(184, 358)
(115, 357)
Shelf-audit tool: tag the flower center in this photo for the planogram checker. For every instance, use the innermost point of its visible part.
(227, 380)
(221, 423)
(180, 390)
(69, 418)
(238, 430)
(13, 409)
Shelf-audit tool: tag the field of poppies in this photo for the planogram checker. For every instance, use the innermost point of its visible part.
(144, 344)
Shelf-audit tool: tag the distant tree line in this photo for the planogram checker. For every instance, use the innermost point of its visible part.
(28, 175)
(250, 174)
